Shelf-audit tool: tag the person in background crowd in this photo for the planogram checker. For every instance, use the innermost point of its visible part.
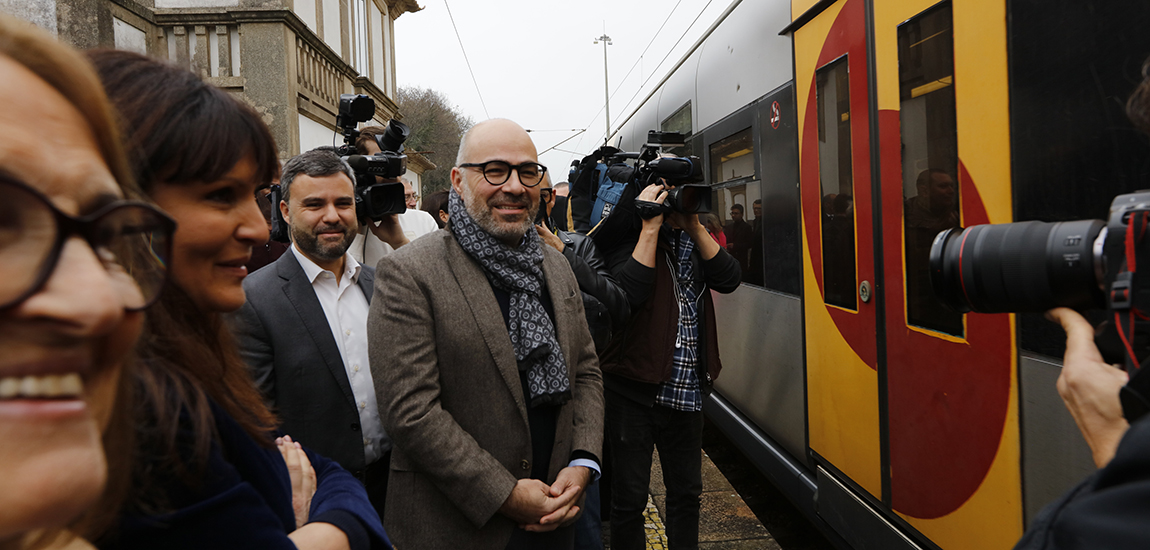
(208, 471)
(739, 236)
(270, 251)
(69, 310)
(496, 426)
(303, 329)
(435, 204)
(660, 368)
(714, 228)
(368, 249)
(606, 308)
(559, 213)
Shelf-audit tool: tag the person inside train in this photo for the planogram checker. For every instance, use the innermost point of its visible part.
(932, 210)
(71, 300)
(1109, 508)
(207, 470)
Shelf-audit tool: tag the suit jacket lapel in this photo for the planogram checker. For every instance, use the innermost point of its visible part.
(485, 310)
(302, 296)
(367, 282)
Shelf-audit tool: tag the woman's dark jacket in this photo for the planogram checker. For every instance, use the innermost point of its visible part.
(639, 357)
(245, 501)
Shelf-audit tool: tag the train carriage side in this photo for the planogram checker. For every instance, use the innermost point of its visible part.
(849, 141)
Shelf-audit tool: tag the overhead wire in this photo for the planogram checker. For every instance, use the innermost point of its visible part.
(640, 59)
(465, 59)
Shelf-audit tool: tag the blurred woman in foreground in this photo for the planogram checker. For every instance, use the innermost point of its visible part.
(77, 264)
(208, 473)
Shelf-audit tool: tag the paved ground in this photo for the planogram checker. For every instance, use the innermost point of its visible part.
(728, 522)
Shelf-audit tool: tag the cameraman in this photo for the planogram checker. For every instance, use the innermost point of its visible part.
(1108, 509)
(658, 370)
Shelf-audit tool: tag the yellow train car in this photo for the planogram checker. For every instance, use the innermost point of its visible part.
(851, 132)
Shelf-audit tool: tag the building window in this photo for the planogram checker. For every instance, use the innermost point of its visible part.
(832, 83)
(359, 43)
(929, 157)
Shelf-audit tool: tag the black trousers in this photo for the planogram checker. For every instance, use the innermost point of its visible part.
(375, 481)
(633, 431)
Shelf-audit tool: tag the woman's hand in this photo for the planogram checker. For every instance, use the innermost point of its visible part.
(302, 478)
(1090, 387)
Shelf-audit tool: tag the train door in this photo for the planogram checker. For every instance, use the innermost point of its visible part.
(904, 131)
(944, 156)
(838, 263)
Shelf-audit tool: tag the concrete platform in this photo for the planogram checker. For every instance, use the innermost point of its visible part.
(726, 522)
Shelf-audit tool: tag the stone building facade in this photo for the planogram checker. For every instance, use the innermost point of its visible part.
(290, 59)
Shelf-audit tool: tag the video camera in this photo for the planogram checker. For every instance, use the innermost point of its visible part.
(1083, 264)
(685, 173)
(373, 200)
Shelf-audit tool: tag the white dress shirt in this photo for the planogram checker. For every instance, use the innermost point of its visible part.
(368, 249)
(346, 307)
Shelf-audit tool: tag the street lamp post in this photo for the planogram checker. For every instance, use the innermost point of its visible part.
(606, 40)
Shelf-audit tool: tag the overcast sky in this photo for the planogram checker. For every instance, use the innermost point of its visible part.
(535, 61)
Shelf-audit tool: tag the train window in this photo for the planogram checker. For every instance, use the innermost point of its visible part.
(732, 157)
(738, 211)
(929, 156)
(832, 84)
(733, 162)
(680, 122)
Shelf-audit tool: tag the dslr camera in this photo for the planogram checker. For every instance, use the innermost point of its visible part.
(373, 200)
(1082, 264)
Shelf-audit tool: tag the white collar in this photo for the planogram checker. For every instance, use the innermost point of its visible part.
(351, 268)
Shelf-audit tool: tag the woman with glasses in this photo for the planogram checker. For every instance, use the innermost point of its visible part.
(78, 263)
(208, 471)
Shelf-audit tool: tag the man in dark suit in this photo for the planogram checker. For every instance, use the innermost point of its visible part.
(303, 328)
(485, 371)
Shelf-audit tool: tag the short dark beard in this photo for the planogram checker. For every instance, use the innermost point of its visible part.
(308, 242)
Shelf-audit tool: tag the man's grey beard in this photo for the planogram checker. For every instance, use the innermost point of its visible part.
(481, 213)
(309, 243)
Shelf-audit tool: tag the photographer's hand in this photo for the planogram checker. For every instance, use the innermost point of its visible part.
(703, 241)
(1090, 387)
(644, 252)
(389, 231)
(550, 238)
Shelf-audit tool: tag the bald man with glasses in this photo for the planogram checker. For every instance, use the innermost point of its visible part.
(485, 372)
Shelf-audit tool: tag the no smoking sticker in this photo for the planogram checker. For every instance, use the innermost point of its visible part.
(776, 115)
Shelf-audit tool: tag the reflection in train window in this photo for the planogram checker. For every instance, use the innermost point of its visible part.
(838, 219)
(732, 157)
(929, 156)
(736, 221)
(680, 122)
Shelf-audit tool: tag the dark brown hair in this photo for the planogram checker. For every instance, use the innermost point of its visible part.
(435, 202)
(66, 70)
(1138, 106)
(183, 131)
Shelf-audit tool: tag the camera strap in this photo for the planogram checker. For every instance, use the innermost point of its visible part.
(1129, 317)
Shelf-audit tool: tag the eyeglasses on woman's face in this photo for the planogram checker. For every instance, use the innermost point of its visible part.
(132, 239)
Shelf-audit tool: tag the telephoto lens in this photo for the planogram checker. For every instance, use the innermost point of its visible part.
(1020, 267)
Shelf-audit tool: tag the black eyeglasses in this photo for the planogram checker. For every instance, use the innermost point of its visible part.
(497, 172)
(545, 194)
(132, 239)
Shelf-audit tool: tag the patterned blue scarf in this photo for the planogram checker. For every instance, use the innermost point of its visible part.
(519, 272)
